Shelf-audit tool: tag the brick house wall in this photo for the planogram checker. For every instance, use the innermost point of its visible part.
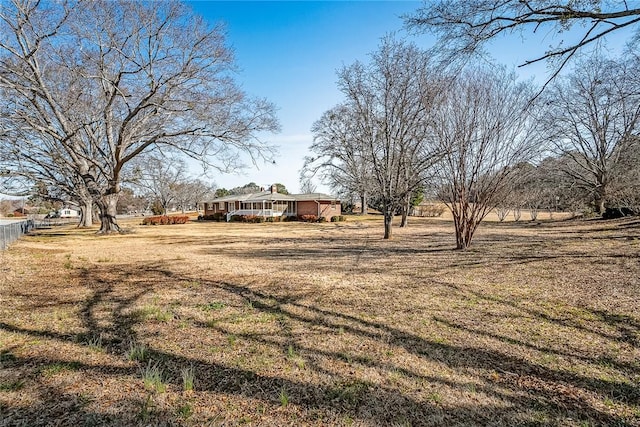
(211, 208)
(327, 208)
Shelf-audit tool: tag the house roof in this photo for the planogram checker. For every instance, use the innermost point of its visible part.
(254, 197)
(314, 196)
(269, 196)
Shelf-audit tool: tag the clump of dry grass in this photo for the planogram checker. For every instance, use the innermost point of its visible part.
(323, 324)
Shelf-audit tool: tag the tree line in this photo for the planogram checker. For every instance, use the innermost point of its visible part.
(478, 139)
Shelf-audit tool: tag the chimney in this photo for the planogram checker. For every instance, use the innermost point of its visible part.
(274, 189)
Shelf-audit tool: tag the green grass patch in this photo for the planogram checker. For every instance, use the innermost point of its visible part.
(185, 411)
(216, 305)
(153, 312)
(137, 352)
(58, 367)
(12, 385)
(153, 377)
(188, 378)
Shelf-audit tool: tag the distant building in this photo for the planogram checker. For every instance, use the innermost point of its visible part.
(270, 203)
(68, 212)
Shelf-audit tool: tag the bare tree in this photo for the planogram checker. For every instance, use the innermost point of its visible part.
(108, 81)
(465, 26)
(249, 188)
(131, 203)
(483, 126)
(390, 99)
(192, 192)
(38, 163)
(594, 116)
(160, 179)
(340, 156)
(625, 191)
(307, 186)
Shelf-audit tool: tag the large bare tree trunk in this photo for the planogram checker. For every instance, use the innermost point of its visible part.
(406, 206)
(599, 203)
(465, 224)
(464, 233)
(86, 213)
(107, 205)
(364, 209)
(388, 220)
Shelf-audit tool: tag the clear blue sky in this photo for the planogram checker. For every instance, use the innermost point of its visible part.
(289, 51)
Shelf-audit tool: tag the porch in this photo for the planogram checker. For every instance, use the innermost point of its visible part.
(267, 213)
(264, 208)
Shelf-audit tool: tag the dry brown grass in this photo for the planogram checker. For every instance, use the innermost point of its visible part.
(323, 324)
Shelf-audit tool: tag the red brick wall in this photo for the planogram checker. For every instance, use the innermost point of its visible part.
(327, 209)
(211, 208)
(307, 208)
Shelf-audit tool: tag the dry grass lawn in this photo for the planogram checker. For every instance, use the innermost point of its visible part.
(323, 324)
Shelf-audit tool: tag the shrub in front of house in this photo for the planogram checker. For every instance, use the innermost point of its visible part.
(338, 218)
(179, 219)
(165, 220)
(322, 219)
(150, 220)
(253, 219)
(308, 218)
(218, 216)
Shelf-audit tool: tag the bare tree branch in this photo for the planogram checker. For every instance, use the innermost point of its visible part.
(465, 27)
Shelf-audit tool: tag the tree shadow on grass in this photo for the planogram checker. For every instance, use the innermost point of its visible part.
(344, 254)
(109, 311)
(627, 327)
(453, 355)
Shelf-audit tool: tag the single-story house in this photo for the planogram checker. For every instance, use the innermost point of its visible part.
(270, 203)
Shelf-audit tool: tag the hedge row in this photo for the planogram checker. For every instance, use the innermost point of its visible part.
(314, 218)
(255, 219)
(218, 216)
(165, 220)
